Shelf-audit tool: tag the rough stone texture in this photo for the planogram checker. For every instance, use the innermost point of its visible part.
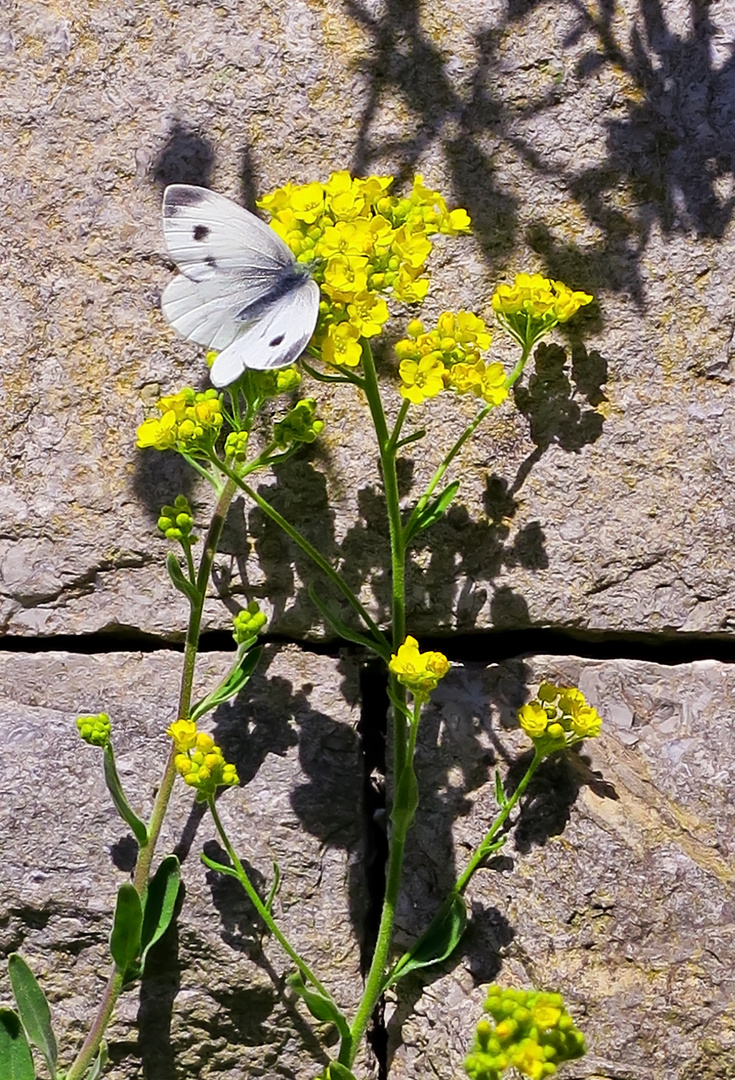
(215, 1003)
(595, 145)
(617, 887)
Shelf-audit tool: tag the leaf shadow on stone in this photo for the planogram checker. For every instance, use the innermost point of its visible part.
(245, 1016)
(273, 719)
(670, 155)
(159, 988)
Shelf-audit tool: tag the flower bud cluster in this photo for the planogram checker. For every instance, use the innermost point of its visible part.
(298, 425)
(418, 672)
(559, 715)
(532, 1032)
(533, 304)
(248, 623)
(362, 243)
(272, 383)
(448, 358)
(176, 522)
(189, 422)
(95, 730)
(236, 445)
(199, 760)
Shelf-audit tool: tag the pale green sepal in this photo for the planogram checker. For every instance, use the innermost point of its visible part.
(234, 681)
(33, 1010)
(118, 797)
(179, 579)
(126, 928)
(437, 942)
(321, 1007)
(375, 644)
(16, 1062)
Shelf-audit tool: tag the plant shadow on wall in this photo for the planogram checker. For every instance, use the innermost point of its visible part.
(665, 142)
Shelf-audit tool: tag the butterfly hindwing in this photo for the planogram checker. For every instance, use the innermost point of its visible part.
(273, 341)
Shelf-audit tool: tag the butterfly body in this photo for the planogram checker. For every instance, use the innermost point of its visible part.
(240, 290)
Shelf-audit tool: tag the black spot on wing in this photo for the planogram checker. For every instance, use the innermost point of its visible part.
(182, 195)
(276, 341)
(200, 232)
(211, 262)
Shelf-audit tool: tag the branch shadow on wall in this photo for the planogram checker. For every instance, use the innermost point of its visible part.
(668, 160)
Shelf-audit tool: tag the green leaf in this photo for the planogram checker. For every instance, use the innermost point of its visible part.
(413, 437)
(500, 796)
(219, 867)
(234, 681)
(437, 942)
(35, 1015)
(273, 891)
(118, 797)
(99, 1064)
(16, 1062)
(126, 928)
(342, 630)
(337, 1071)
(320, 1007)
(180, 581)
(431, 513)
(160, 903)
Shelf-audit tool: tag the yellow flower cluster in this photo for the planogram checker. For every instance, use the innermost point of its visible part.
(532, 1032)
(199, 760)
(363, 243)
(533, 304)
(560, 715)
(419, 672)
(448, 357)
(189, 421)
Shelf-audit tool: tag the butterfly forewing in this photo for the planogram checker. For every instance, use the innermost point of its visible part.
(241, 291)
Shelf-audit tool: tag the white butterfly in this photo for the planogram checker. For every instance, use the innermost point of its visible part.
(240, 290)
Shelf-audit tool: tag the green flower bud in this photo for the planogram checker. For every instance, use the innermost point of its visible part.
(95, 730)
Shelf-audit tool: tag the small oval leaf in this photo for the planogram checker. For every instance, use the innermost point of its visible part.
(16, 1062)
(320, 1007)
(160, 903)
(33, 1010)
(126, 928)
(437, 942)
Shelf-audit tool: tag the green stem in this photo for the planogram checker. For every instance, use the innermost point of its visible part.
(387, 450)
(89, 1048)
(381, 642)
(483, 848)
(518, 369)
(376, 975)
(262, 909)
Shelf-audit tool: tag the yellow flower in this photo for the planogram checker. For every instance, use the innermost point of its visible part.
(342, 345)
(363, 243)
(533, 304)
(421, 380)
(559, 714)
(533, 719)
(199, 760)
(189, 422)
(494, 390)
(419, 672)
